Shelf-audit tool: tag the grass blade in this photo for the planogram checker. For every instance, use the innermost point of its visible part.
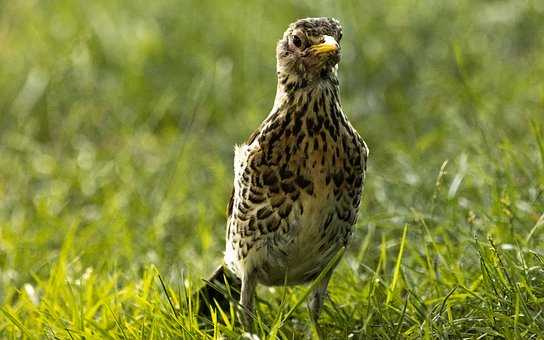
(396, 273)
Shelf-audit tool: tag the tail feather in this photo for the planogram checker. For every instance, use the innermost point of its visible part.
(221, 289)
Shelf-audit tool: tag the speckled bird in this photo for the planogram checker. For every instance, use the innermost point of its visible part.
(298, 179)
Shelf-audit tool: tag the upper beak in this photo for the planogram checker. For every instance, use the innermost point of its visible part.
(328, 45)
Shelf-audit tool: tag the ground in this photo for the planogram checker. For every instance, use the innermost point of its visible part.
(117, 126)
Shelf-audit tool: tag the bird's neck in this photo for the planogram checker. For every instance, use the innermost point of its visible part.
(293, 90)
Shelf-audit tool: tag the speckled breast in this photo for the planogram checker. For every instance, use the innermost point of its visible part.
(297, 190)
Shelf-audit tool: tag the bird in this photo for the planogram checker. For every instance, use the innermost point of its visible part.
(298, 179)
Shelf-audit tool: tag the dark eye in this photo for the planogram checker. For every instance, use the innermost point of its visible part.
(297, 41)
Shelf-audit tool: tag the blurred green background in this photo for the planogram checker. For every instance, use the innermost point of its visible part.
(118, 120)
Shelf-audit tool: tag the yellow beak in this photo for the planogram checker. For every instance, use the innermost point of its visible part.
(329, 45)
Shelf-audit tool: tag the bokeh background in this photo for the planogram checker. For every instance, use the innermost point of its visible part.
(118, 120)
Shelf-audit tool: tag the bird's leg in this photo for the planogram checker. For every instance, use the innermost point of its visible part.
(316, 300)
(247, 298)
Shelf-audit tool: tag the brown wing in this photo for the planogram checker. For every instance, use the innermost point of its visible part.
(231, 202)
(264, 187)
(349, 178)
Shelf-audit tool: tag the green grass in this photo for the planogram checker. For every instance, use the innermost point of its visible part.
(117, 124)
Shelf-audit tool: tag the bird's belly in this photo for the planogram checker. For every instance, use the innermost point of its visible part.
(296, 221)
(300, 254)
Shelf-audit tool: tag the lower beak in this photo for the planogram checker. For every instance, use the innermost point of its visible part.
(328, 45)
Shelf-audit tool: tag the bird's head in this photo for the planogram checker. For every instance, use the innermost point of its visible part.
(309, 49)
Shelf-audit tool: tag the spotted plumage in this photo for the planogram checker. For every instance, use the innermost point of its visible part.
(299, 176)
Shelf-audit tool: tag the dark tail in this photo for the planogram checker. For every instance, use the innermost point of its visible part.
(221, 289)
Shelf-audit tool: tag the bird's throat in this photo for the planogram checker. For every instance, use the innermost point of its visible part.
(293, 91)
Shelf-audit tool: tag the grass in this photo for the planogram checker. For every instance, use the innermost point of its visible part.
(116, 131)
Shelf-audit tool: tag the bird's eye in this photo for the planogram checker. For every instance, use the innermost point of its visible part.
(297, 41)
